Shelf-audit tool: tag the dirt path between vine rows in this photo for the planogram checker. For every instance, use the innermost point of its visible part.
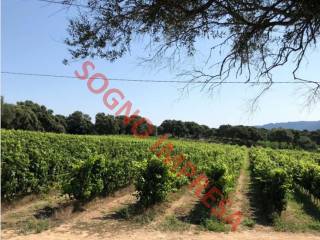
(97, 223)
(148, 234)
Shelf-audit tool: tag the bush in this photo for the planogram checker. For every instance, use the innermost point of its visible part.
(214, 225)
(15, 177)
(248, 222)
(276, 191)
(153, 183)
(272, 182)
(86, 179)
(118, 174)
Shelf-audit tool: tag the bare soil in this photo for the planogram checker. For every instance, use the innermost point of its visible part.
(99, 220)
(96, 222)
(65, 232)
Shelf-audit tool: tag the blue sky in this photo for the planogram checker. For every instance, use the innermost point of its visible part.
(32, 42)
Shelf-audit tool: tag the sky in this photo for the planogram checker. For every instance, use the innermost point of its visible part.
(32, 41)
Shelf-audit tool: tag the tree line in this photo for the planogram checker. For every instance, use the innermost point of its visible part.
(31, 116)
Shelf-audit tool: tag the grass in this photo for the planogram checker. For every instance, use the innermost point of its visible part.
(302, 215)
(138, 215)
(33, 226)
(135, 214)
(33, 217)
(200, 215)
(28, 224)
(215, 225)
(172, 223)
(248, 220)
(249, 223)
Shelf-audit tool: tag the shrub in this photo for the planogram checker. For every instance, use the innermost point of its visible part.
(15, 178)
(214, 225)
(248, 222)
(117, 174)
(272, 182)
(153, 183)
(86, 178)
(277, 189)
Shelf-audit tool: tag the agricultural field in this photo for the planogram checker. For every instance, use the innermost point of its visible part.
(160, 120)
(60, 186)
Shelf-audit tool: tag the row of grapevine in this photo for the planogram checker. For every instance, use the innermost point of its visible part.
(224, 168)
(272, 182)
(221, 164)
(33, 162)
(303, 167)
(309, 178)
(276, 172)
(155, 181)
(89, 166)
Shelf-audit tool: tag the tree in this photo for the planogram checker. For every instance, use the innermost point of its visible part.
(224, 131)
(166, 127)
(206, 132)
(257, 134)
(28, 115)
(135, 124)
(106, 124)
(176, 128)
(179, 129)
(194, 130)
(315, 136)
(62, 120)
(26, 119)
(306, 143)
(45, 116)
(79, 123)
(257, 36)
(281, 135)
(8, 114)
(122, 126)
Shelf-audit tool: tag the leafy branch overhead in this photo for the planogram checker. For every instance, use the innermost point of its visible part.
(257, 36)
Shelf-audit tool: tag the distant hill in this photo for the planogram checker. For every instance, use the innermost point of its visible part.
(301, 125)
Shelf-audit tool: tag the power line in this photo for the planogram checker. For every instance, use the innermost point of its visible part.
(149, 81)
(152, 80)
(64, 3)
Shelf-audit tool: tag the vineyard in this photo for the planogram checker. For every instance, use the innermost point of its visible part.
(277, 173)
(84, 168)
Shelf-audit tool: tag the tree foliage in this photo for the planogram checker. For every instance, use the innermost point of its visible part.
(79, 123)
(32, 116)
(106, 124)
(257, 36)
